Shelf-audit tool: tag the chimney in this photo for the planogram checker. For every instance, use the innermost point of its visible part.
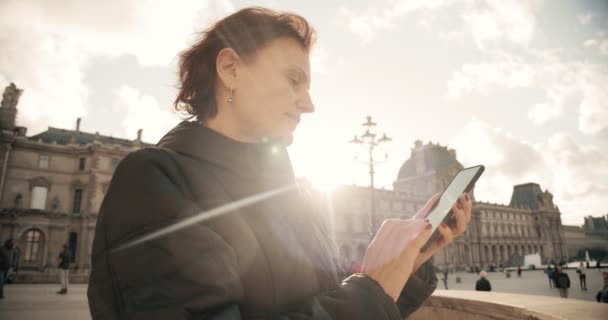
(139, 132)
(452, 153)
(78, 124)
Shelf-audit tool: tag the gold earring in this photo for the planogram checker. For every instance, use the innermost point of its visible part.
(230, 95)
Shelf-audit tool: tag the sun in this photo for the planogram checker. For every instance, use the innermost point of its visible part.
(323, 181)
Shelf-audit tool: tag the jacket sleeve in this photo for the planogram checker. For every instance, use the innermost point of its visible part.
(418, 288)
(192, 273)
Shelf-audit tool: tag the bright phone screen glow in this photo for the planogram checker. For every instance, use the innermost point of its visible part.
(451, 195)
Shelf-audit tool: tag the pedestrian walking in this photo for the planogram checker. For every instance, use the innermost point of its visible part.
(64, 269)
(562, 281)
(549, 273)
(519, 271)
(582, 277)
(445, 278)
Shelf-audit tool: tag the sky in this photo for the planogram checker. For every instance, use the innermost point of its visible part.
(519, 86)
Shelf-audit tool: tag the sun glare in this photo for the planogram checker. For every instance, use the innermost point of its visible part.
(323, 181)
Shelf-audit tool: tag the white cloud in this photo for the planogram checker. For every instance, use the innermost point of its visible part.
(49, 69)
(586, 18)
(603, 46)
(590, 43)
(600, 44)
(501, 20)
(143, 112)
(481, 77)
(569, 170)
(593, 109)
(553, 107)
(382, 16)
(46, 45)
(568, 86)
(490, 21)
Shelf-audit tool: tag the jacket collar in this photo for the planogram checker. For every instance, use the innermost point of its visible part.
(266, 159)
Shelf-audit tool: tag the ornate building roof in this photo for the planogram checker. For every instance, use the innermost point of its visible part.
(531, 196)
(435, 158)
(63, 136)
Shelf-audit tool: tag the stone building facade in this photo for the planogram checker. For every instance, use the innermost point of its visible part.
(593, 235)
(530, 223)
(51, 188)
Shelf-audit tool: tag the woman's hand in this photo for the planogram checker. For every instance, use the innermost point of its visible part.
(461, 217)
(391, 256)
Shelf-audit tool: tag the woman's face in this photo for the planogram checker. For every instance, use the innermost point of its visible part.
(271, 90)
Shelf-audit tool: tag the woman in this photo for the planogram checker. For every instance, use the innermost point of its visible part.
(246, 85)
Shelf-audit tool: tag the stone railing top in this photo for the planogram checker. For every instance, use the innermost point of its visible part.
(458, 304)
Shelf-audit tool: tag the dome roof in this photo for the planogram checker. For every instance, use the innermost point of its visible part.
(436, 158)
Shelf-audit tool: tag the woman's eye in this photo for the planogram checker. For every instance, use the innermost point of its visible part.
(294, 81)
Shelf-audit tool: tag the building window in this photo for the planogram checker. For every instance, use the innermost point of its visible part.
(32, 245)
(114, 163)
(82, 163)
(43, 161)
(39, 198)
(77, 200)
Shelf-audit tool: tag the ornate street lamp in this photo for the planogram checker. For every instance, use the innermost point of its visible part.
(368, 138)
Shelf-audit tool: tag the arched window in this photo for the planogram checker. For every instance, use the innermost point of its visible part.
(33, 240)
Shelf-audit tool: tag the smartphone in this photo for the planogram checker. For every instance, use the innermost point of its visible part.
(442, 211)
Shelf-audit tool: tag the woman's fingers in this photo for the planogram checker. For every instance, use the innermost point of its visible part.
(430, 204)
(459, 219)
(447, 236)
(467, 205)
(422, 237)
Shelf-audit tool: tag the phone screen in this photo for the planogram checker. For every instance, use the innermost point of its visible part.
(462, 182)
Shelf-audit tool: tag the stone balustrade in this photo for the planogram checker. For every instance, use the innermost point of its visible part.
(475, 305)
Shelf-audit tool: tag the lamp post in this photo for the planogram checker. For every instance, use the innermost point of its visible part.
(368, 138)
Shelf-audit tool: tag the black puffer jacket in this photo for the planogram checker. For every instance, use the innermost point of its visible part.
(268, 260)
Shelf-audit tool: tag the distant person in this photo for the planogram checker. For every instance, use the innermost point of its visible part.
(549, 273)
(598, 265)
(445, 278)
(13, 255)
(64, 269)
(519, 271)
(582, 277)
(562, 281)
(5, 264)
(483, 284)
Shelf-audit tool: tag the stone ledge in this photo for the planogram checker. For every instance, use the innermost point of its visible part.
(49, 277)
(474, 305)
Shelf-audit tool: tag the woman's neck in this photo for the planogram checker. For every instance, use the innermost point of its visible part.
(229, 127)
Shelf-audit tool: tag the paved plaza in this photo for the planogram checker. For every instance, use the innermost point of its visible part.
(531, 282)
(39, 301)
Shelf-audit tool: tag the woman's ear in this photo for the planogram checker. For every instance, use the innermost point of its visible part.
(226, 64)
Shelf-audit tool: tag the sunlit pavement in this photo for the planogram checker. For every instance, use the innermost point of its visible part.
(531, 282)
(39, 301)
